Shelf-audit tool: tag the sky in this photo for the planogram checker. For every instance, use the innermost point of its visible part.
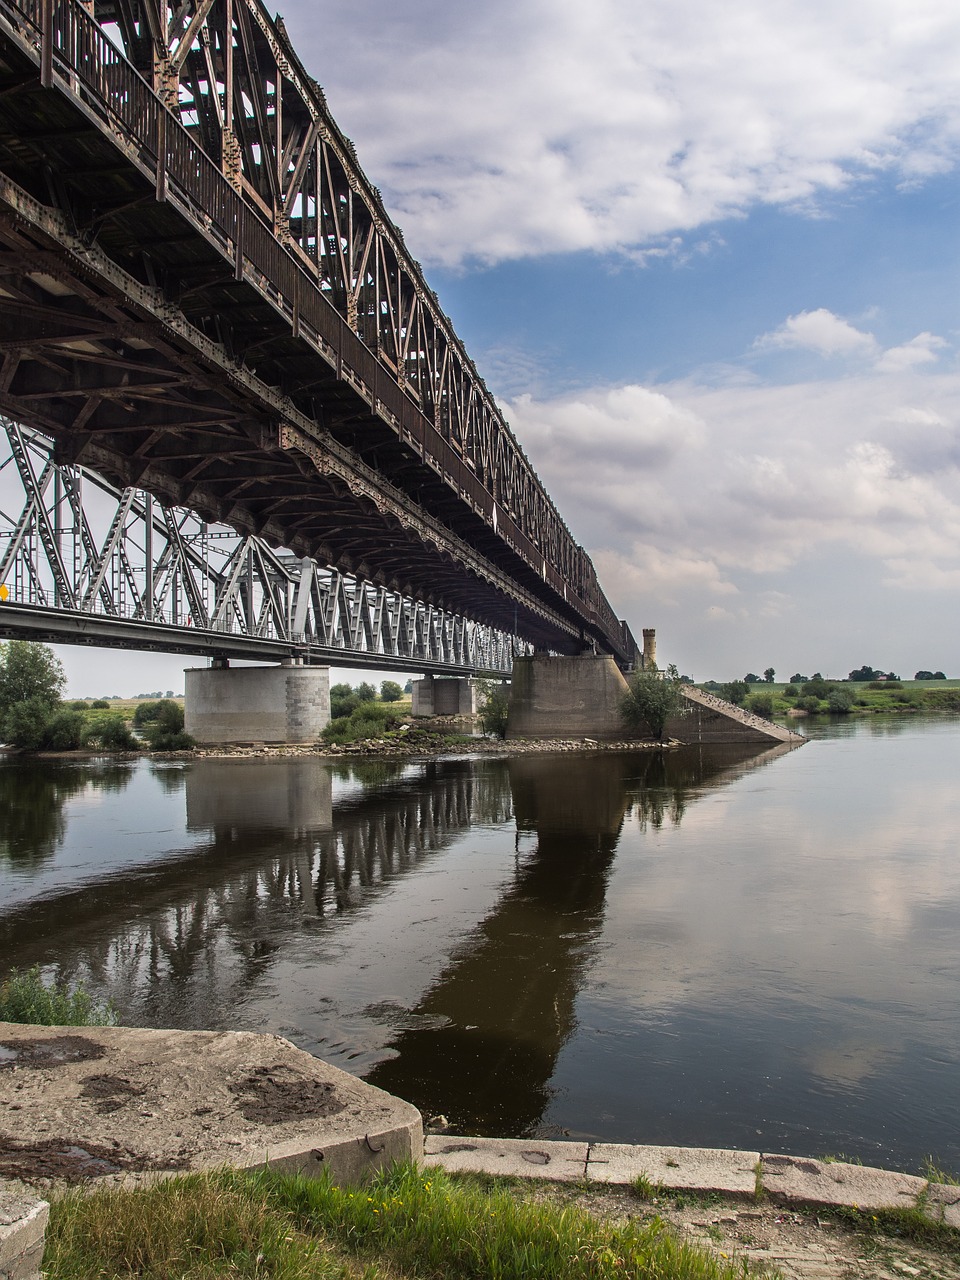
(706, 257)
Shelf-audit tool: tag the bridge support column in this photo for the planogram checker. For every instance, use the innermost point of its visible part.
(256, 704)
(444, 696)
(575, 697)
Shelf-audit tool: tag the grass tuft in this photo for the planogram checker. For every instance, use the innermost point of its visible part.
(408, 1224)
(25, 997)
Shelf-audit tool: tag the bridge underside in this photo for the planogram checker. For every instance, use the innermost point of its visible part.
(129, 336)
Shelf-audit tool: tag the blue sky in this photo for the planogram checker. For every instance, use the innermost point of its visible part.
(707, 258)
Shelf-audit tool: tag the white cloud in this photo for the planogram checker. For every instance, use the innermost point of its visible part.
(920, 350)
(820, 331)
(507, 129)
(710, 502)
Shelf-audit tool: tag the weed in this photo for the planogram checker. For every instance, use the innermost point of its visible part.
(759, 1191)
(933, 1172)
(645, 1188)
(25, 997)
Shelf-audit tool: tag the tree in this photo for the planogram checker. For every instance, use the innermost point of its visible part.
(736, 692)
(929, 675)
(654, 696)
(769, 674)
(366, 692)
(29, 670)
(751, 678)
(797, 678)
(494, 707)
(864, 673)
(390, 691)
(840, 701)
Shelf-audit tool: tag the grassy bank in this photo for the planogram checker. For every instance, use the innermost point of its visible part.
(409, 1224)
(778, 700)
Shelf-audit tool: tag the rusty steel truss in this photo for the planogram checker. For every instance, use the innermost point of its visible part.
(84, 562)
(202, 295)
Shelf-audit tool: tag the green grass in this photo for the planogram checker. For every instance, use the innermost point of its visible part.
(25, 997)
(408, 1224)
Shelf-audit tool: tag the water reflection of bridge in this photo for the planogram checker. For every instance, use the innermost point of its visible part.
(290, 850)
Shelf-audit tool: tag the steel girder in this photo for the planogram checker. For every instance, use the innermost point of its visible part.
(202, 163)
(84, 561)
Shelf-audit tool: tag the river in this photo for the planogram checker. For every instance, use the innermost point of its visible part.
(744, 948)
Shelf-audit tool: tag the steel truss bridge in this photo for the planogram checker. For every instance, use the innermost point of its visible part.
(203, 298)
(84, 562)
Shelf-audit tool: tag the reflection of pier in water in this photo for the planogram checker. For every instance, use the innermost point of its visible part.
(280, 853)
(493, 1025)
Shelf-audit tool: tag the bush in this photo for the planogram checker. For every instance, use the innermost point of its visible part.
(65, 731)
(761, 704)
(390, 691)
(165, 732)
(840, 701)
(78, 704)
(25, 724)
(736, 692)
(100, 704)
(368, 720)
(494, 708)
(25, 997)
(817, 687)
(810, 704)
(366, 692)
(145, 712)
(791, 691)
(112, 733)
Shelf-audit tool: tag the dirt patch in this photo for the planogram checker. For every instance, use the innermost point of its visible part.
(273, 1095)
(110, 1092)
(51, 1051)
(72, 1160)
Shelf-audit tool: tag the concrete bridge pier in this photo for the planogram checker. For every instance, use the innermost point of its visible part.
(444, 696)
(287, 704)
(580, 697)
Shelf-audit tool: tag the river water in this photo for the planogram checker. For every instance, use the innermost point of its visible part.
(757, 949)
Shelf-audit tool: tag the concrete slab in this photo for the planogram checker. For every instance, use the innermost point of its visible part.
(943, 1204)
(675, 1168)
(793, 1178)
(509, 1157)
(23, 1222)
(124, 1104)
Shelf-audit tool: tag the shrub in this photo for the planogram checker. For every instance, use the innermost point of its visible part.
(817, 687)
(100, 704)
(111, 732)
(25, 723)
(165, 733)
(390, 691)
(368, 720)
(791, 691)
(839, 701)
(366, 692)
(761, 704)
(65, 731)
(25, 997)
(810, 704)
(78, 704)
(736, 692)
(494, 708)
(145, 712)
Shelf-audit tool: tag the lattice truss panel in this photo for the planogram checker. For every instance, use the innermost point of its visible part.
(72, 542)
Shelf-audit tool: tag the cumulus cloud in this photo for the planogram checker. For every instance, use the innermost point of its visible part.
(507, 129)
(923, 349)
(820, 331)
(712, 500)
